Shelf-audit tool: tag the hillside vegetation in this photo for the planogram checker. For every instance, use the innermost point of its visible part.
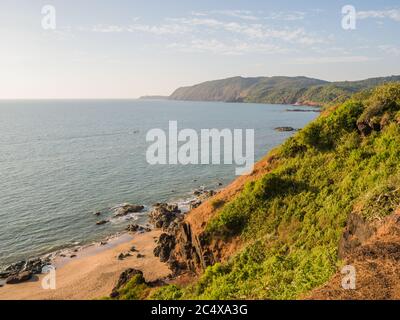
(291, 220)
(280, 90)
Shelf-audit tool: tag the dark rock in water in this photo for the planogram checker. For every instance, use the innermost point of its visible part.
(285, 129)
(20, 277)
(126, 209)
(97, 213)
(16, 267)
(166, 243)
(101, 222)
(34, 266)
(163, 214)
(124, 278)
(219, 183)
(4, 274)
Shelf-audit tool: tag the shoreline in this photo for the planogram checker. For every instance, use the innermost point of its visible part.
(91, 270)
(94, 271)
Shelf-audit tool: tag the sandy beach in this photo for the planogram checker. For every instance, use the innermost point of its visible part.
(94, 271)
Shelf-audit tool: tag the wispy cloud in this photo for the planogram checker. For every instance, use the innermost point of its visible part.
(286, 16)
(207, 32)
(393, 14)
(254, 30)
(235, 47)
(390, 49)
(241, 14)
(238, 14)
(163, 29)
(329, 60)
(254, 15)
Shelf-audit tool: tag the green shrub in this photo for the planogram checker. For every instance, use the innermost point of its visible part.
(135, 289)
(167, 292)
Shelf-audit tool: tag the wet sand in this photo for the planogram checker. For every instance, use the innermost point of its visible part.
(94, 271)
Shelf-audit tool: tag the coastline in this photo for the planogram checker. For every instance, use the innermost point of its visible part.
(90, 271)
(94, 271)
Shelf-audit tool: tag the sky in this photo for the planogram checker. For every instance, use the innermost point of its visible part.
(129, 48)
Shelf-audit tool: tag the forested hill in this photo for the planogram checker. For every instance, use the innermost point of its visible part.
(280, 90)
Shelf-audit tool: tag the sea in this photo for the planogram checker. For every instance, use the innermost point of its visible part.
(61, 161)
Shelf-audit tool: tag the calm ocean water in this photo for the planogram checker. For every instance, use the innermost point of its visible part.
(61, 161)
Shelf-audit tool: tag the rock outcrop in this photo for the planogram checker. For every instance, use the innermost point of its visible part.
(20, 277)
(163, 214)
(127, 208)
(124, 278)
(23, 270)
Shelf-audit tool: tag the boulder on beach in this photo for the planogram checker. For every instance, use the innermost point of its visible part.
(136, 228)
(126, 209)
(124, 278)
(122, 256)
(20, 277)
(34, 266)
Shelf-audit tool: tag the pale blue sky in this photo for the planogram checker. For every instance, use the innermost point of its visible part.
(124, 49)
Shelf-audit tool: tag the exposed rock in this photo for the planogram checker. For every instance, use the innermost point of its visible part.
(163, 214)
(139, 255)
(284, 129)
(356, 232)
(173, 227)
(4, 274)
(122, 256)
(195, 203)
(101, 222)
(203, 194)
(72, 256)
(126, 209)
(20, 277)
(124, 278)
(137, 228)
(133, 249)
(166, 243)
(33, 266)
(97, 213)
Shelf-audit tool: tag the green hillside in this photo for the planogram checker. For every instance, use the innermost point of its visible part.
(291, 219)
(281, 90)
